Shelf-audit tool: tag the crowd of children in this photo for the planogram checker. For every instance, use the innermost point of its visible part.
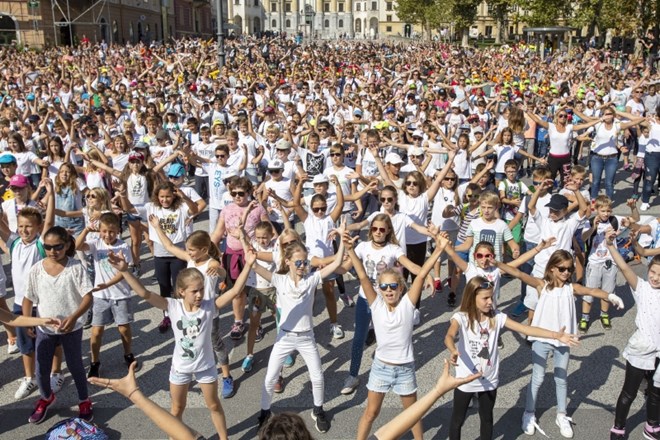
(296, 197)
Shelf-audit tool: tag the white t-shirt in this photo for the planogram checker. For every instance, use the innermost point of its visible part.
(256, 280)
(492, 274)
(532, 231)
(562, 230)
(478, 351)
(172, 222)
(376, 260)
(193, 350)
(556, 309)
(104, 272)
(57, 296)
(443, 198)
(282, 188)
(604, 141)
(512, 191)
(417, 208)
(23, 257)
(295, 302)
(394, 330)
(205, 151)
(137, 191)
(504, 153)
(642, 347)
(400, 224)
(344, 182)
(559, 142)
(217, 187)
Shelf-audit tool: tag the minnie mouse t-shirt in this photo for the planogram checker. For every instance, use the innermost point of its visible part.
(193, 350)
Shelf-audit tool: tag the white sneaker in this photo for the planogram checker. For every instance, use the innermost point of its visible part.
(337, 332)
(417, 317)
(25, 388)
(12, 348)
(350, 384)
(528, 423)
(564, 424)
(56, 382)
(644, 207)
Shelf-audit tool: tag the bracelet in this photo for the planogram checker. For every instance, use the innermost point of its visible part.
(136, 389)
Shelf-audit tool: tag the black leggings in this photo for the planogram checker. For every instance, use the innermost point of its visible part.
(631, 384)
(167, 269)
(556, 165)
(461, 403)
(417, 254)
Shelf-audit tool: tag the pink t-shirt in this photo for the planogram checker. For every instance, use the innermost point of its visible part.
(232, 214)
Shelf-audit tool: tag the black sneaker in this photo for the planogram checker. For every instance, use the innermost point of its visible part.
(259, 336)
(94, 368)
(88, 320)
(500, 343)
(451, 299)
(264, 416)
(371, 338)
(322, 423)
(129, 359)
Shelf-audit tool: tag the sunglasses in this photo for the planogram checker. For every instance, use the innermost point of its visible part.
(377, 229)
(453, 179)
(288, 243)
(275, 171)
(390, 286)
(418, 156)
(301, 263)
(320, 209)
(486, 285)
(411, 183)
(90, 196)
(472, 196)
(386, 199)
(561, 269)
(335, 154)
(561, 116)
(237, 193)
(322, 129)
(220, 156)
(54, 247)
(17, 188)
(135, 161)
(536, 182)
(479, 255)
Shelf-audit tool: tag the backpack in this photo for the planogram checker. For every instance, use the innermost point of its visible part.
(612, 220)
(40, 247)
(74, 429)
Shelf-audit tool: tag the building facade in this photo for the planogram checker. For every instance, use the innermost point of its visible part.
(39, 23)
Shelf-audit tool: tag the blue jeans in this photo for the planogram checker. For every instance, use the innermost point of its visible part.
(541, 148)
(72, 346)
(540, 352)
(362, 320)
(651, 168)
(598, 164)
(526, 267)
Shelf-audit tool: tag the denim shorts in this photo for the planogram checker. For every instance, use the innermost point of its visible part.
(108, 311)
(399, 378)
(209, 375)
(24, 342)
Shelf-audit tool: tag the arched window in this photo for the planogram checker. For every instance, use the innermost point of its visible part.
(340, 23)
(326, 23)
(288, 23)
(273, 24)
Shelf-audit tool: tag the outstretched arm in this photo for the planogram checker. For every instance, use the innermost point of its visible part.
(119, 263)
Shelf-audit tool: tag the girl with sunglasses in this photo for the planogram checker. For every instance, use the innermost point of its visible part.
(478, 325)
(555, 311)
(379, 253)
(393, 313)
(295, 286)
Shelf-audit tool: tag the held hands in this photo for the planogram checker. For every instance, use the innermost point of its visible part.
(567, 338)
(615, 300)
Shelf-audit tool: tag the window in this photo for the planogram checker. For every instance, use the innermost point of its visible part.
(340, 24)
(273, 7)
(511, 32)
(388, 18)
(490, 9)
(388, 6)
(256, 2)
(273, 24)
(388, 28)
(358, 7)
(326, 7)
(374, 6)
(288, 23)
(326, 23)
(237, 2)
(489, 31)
(287, 7)
(340, 7)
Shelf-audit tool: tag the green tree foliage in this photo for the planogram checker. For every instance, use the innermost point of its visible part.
(430, 14)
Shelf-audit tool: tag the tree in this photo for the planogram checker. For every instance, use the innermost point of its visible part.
(464, 13)
(429, 13)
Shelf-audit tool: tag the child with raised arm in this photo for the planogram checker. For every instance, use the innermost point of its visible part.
(112, 296)
(479, 324)
(192, 312)
(295, 287)
(642, 354)
(555, 308)
(392, 313)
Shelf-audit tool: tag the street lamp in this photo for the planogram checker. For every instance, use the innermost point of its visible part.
(221, 37)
